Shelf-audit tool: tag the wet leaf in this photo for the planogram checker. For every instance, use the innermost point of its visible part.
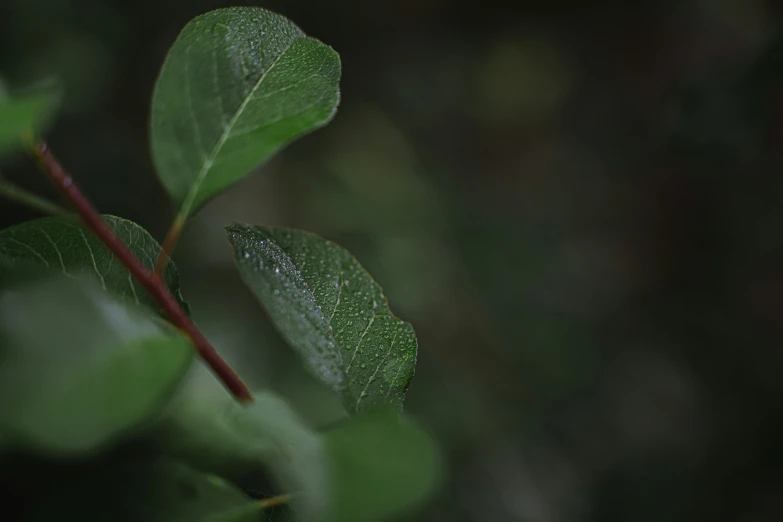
(331, 312)
(237, 85)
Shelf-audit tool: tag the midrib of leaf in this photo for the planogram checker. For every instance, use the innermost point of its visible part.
(184, 210)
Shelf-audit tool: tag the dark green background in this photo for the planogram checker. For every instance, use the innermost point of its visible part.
(579, 206)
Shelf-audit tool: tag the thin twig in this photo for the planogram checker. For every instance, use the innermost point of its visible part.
(151, 282)
(169, 244)
(274, 501)
(20, 195)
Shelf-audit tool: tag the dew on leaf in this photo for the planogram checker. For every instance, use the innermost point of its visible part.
(220, 29)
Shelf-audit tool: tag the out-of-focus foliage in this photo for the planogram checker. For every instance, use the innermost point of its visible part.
(50, 334)
(577, 205)
(22, 117)
(165, 491)
(205, 425)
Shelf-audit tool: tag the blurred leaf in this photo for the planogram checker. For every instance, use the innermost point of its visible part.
(82, 369)
(150, 491)
(237, 85)
(377, 172)
(380, 466)
(712, 116)
(372, 171)
(64, 245)
(211, 430)
(331, 312)
(14, 192)
(524, 82)
(24, 116)
(363, 470)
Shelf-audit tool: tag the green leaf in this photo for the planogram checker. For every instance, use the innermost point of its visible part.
(237, 85)
(64, 245)
(82, 369)
(381, 466)
(208, 428)
(160, 490)
(23, 117)
(331, 311)
(365, 469)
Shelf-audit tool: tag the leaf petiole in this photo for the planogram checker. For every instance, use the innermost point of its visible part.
(274, 501)
(151, 282)
(170, 243)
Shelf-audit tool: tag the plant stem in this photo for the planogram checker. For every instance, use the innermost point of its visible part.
(20, 195)
(169, 244)
(152, 283)
(274, 501)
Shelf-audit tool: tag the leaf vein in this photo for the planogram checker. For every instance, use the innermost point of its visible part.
(243, 132)
(337, 302)
(191, 112)
(361, 338)
(394, 380)
(92, 256)
(56, 249)
(372, 377)
(283, 89)
(209, 161)
(218, 92)
(28, 247)
(133, 289)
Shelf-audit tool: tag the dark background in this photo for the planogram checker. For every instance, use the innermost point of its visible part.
(579, 206)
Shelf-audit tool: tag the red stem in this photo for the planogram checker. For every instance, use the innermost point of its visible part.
(151, 282)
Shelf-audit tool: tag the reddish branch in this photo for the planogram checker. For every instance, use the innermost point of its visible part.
(151, 281)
